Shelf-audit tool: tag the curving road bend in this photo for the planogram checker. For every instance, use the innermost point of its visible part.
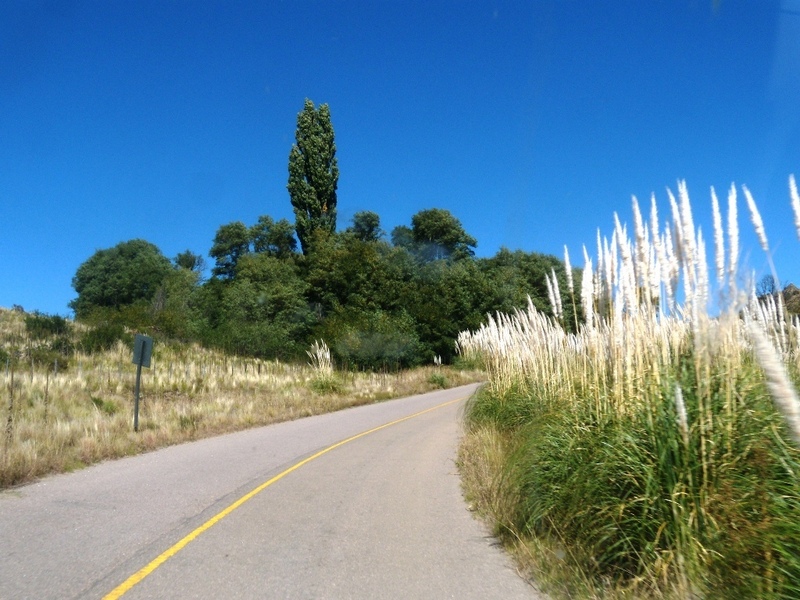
(378, 516)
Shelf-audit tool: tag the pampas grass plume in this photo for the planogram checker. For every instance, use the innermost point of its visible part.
(795, 203)
(781, 388)
(719, 239)
(733, 234)
(683, 421)
(568, 267)
(755, 217)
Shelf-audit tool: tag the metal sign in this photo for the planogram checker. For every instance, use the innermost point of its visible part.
(142, 350)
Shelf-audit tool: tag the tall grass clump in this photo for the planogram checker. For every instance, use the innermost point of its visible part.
(654, 453)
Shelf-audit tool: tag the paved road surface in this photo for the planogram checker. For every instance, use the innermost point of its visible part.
(380, 516)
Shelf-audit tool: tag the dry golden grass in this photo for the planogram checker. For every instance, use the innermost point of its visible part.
(55, 422)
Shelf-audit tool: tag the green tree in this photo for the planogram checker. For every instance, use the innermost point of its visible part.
(174, 304)
(366, 226)
(344, 272)
(518, 275)
(450, 296)
(313, 173)
(231, 242)
(264, 311)
(273, 238)
(120, 276)
(403, 237)
(372, 339)
(437, 234)
(190, 261)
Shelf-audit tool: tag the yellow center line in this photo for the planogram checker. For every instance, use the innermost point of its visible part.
(131, 581)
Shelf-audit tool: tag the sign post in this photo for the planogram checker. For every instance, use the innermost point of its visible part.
(142, 350)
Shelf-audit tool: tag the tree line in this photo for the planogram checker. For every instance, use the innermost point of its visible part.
(378, 300)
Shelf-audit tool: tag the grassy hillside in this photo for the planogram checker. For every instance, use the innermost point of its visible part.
(63, 410)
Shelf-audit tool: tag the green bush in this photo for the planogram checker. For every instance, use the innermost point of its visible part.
(104, 337)
(47, 358)
(62, 346)
(438, 380)
(40, 326)
(326, 385)
(108, 407)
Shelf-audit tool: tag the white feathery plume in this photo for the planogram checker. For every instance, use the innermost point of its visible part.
(719, 239)
(587, 291)
(612, 263)
(781, 320)
(795, 203)
(658, 274)
(655, 272)
(638, 224)
(778, 382)
(669, 269)
(687, 222)
(598, 274)
(599, 252)
(551, 295)
(627, 275)
(733, 235)
(677, 227)
(605, 277)
(557, 292)
(568, 268)
(600, 270)
(640, 263)
(702, 272)
(683, 421)
(755, 217)
(653, 217)
(649, 273)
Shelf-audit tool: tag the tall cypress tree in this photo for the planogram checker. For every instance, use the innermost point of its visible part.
(313, 173)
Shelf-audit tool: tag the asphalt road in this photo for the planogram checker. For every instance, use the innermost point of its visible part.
(380, 516)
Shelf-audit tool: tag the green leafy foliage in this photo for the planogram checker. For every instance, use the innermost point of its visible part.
(119, 276)
(313, 173)
(190, 261)
(366, 226)
(373, 339)
(108, 407)
(40, 326)
(103, 337)
(325, 385)
(273, 238)
(231, 242)
(437, 234)
(378, 304)
(438, 380)
(516, 276)
(263, 310)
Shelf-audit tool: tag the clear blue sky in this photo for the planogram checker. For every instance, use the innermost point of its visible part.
(531, 121)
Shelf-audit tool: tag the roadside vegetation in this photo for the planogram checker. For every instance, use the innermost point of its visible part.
(65, 407)
(653, 452)
(232, 337)
(380, 300)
